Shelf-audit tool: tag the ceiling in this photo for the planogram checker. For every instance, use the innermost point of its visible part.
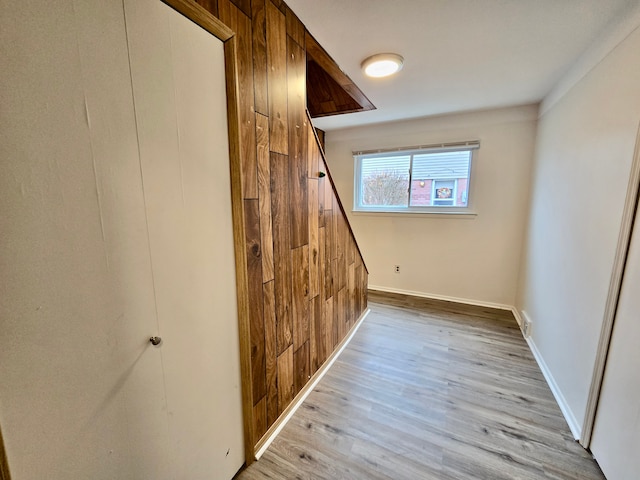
(460, 55)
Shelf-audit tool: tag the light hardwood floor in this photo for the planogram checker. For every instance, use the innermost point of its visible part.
(429, 390)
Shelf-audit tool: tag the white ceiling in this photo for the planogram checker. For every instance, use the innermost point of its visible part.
(460, 55)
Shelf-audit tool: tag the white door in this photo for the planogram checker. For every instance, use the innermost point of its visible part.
(616, 437)
(180, 100)
(105, 240)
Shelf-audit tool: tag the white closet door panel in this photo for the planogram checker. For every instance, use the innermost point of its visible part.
(81, 393)
(616, 437)
(180, 102)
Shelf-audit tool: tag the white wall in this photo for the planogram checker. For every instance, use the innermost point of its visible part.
(584, 151)
(473, 258)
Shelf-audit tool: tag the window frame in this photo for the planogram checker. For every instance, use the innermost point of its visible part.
(468, 146)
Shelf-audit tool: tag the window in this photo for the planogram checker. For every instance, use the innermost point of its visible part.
(428, 179)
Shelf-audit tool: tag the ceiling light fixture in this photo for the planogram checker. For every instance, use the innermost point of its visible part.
(382, 64)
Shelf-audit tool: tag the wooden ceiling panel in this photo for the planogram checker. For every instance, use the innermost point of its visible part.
(329, 90)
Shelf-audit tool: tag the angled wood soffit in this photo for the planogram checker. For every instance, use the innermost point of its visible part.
(329, 90)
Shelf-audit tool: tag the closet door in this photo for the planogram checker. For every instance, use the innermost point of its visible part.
(616, 437)
(180, 98)
(81, 388)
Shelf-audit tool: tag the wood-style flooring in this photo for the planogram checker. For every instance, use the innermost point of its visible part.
(429, 390)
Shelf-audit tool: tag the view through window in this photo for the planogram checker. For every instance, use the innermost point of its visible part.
(433, 179)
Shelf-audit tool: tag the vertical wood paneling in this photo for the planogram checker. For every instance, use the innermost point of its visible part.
(241, 24)
(351, 294)
(285, 378)
(341, 231)
(280, 209)
(314, 283)
(298, 147)
(277, 78)
(244, 6)
(327, 325)
(301, 367)
(259, 28)
(254, 271)
(322, 262)
(341, 315)
(321, 200)
(295, 28)
(300, 295)
(260, 417)
(358, 290)
(264, 191)
(271, 354)
(351, 249)
(316, 345)
(210, 5)
(305, 277)
(280, 5)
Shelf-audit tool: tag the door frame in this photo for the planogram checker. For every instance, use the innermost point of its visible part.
(629, 214)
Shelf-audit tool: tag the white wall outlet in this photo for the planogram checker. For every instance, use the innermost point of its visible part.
(526, 327)
(396, 268)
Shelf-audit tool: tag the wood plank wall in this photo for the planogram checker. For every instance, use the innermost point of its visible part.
(307, 281)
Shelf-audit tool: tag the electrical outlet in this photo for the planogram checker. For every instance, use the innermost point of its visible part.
(397, 269)
(526, 327)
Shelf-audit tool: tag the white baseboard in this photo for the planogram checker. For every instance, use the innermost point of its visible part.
(275, 429)
(433, 296)
(574, 426)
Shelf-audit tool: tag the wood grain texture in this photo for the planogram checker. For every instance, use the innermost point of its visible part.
(301, 369)
(286, 246)
(244, 6)
(331, 91)
(259, 31)
(277, 78)
(314, 230)
(280, 209)
(236, 146)
(254, 274)
(285, 379)
(203, 14)
(429, 389)
(300, 295)
(271, 354)
(295, 28)
(316, 345)
(298, 145)
(264, 194)
(241, 25)
(260, 417)
(210, 6)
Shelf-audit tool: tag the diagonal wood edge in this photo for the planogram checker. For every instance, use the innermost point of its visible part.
(333, 186)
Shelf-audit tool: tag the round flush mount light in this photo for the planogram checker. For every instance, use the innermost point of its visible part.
(382, 64)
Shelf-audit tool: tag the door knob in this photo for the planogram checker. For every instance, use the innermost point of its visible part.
(155, 341)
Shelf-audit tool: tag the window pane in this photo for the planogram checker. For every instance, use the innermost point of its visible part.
(385, 181)
(440, 179)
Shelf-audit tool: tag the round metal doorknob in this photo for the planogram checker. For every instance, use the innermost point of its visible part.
(155, 341)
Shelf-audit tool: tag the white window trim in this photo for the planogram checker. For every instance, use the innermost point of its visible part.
(454, 212)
